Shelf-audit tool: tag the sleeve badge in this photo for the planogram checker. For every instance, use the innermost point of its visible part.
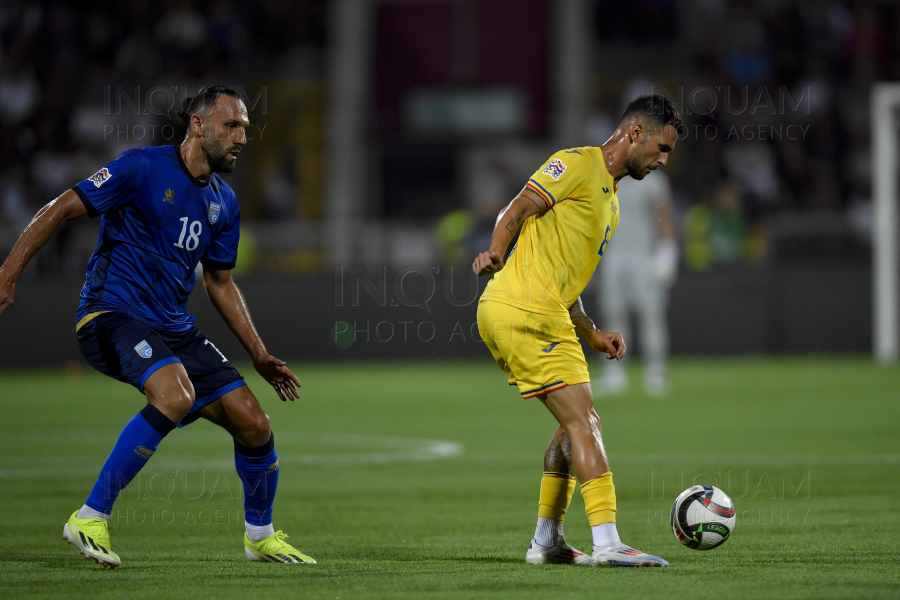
(555, 168)
(100, 177)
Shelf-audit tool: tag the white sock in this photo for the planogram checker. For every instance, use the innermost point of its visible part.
(86, 512)
(258, 532)
(605, 535)
(548, 532)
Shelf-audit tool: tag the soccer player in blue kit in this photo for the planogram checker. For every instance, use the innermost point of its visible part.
(164, 209)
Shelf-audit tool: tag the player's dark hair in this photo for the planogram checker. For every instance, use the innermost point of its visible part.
(657, 110)
(204, 100)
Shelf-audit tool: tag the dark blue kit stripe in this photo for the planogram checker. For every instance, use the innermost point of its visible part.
(543, 388)
(552, 199)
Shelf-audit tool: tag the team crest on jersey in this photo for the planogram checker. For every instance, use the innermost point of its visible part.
(555, 169)
(144, 349)
(100, 177)
(170, 196)
(214, 210)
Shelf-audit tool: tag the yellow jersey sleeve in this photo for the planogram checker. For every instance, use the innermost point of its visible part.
(561, 175)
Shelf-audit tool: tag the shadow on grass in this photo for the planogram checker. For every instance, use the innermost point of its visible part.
(496, 560)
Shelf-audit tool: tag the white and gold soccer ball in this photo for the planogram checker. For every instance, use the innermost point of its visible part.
(702, 517)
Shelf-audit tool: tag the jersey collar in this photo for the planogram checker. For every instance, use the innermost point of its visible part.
(187, 171)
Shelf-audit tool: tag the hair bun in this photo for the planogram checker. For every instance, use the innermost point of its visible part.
(183, 113)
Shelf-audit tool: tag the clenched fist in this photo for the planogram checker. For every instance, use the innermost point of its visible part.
(487, 263)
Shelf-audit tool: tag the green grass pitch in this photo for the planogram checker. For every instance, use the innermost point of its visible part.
(420, 480)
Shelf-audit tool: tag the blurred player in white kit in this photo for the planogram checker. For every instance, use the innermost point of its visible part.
(635, 278)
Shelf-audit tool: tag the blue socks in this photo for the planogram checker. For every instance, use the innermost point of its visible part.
(258, 469)
(136, 444)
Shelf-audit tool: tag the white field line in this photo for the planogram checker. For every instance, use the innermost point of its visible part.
(293, 449)
(728, 460)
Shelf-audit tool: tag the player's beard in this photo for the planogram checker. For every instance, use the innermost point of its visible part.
(634, 166)
(217, 157)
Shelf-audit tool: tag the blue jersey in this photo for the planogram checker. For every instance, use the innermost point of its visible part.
(157, 223)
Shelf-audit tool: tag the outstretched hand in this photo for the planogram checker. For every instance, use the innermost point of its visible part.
(610, 342)
(276, 373)
(487, 263)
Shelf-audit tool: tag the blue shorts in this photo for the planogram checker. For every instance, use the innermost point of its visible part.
(130, 351)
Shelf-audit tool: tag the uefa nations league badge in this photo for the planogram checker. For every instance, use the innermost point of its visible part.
(214, 210)
(144, 349)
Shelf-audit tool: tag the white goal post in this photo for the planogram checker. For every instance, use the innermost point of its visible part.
(885, 115)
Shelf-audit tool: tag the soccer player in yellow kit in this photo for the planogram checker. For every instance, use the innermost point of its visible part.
(531, 310)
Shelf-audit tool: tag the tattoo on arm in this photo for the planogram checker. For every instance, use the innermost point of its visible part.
(516, 222)
(513, 225)
(540, 205)
(558, 458)
(584, 326)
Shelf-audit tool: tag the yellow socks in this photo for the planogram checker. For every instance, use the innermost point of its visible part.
(599, 502)
(600, 499)
(556, 493)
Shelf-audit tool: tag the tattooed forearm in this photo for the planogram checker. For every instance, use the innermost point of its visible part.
(513, 225)
(558, 458)
(584, 326)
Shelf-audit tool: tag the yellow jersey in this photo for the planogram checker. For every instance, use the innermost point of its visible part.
(559, 248)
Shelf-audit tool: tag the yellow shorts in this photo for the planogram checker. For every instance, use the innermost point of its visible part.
(540, 353)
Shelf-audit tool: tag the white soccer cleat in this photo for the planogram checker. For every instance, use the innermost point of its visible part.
(556, 554)
(620, 555)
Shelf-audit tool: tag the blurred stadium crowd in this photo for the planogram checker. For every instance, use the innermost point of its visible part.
(77, 81)
(777, 94)
(791, 128)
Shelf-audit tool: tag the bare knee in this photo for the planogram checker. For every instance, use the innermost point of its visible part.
(170, 390)
(578, 423)
(254, 431)
(175, 404)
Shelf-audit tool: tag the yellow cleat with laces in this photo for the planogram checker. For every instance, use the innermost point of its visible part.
(91, 537)
(273, 548)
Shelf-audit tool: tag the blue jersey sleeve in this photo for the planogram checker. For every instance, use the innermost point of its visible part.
(222, 252)
(113, 185)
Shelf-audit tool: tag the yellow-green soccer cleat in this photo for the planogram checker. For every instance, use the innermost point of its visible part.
(273, 548)
(91, 537)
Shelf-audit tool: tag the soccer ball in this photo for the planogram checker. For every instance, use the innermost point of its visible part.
(702, 517)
